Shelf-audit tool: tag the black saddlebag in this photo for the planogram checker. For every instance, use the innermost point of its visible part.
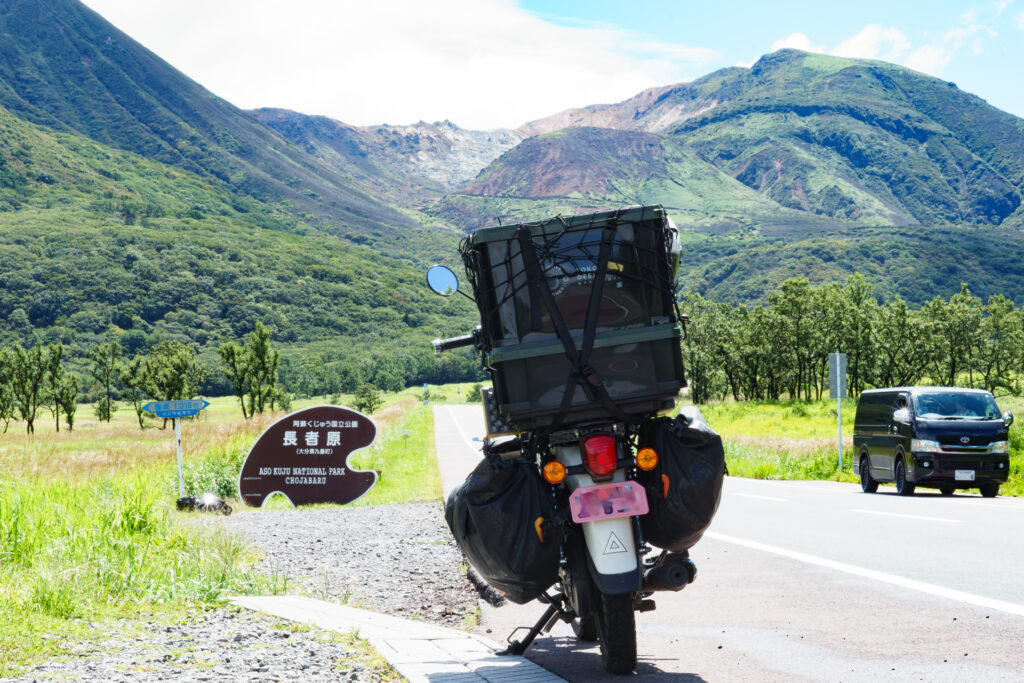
(504, 520)
(684, 490)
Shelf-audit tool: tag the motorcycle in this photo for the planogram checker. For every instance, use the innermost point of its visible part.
(585, 460)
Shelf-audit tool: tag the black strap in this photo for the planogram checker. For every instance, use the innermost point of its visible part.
(581, 373)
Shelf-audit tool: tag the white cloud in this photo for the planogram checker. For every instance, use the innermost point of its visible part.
(1001, 5)
(1020, 20)
(933, 57)
(797, 41)
(480, 63)
(930, 59)
(874, 42)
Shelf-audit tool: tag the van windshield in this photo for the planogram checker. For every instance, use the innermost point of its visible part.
(956, 406)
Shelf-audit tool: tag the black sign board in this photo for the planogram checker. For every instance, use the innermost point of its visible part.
(304, 456)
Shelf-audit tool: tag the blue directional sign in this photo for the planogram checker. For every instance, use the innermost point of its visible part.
(186, 408)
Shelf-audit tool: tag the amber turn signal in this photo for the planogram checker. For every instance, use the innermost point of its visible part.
(647, 459)
(554, 472)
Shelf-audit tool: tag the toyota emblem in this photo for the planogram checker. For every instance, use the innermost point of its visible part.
(965, 439)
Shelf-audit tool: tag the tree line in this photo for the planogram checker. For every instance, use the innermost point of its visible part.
(781, 349)
(35, 378)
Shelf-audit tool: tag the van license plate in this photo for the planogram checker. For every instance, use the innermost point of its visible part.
(964, 475)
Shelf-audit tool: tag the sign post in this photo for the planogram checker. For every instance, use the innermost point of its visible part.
(837, 390)
(176, 410)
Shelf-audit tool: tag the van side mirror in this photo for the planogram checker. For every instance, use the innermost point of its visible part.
(1008, 418)
(902, 416)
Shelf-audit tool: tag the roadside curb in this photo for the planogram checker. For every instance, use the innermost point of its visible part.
(418, 651)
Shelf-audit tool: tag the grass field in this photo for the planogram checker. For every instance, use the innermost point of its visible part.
(797, 439)
(89, 531)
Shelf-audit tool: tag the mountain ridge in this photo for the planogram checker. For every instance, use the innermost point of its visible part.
(195, 218)
(65, 67)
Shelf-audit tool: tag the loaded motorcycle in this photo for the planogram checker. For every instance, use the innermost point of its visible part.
(581, 476)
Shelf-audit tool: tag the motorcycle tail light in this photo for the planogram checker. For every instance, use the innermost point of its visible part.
(600, 455)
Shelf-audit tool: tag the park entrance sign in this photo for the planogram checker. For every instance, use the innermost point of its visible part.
(304, 457)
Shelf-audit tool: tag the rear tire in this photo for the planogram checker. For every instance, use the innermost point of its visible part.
(579, 589)
(617, 627)
(903, 487)
(947, 490)
(867, 484)
(585, 628)
(989, 490)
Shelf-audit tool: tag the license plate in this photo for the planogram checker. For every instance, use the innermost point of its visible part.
(608, 501)
(964, 475)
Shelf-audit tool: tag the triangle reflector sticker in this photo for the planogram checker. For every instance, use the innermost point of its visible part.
(614, 545)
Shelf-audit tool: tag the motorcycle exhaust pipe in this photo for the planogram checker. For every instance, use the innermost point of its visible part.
(673, 575)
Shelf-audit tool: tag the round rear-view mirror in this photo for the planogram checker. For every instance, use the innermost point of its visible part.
(442, 280)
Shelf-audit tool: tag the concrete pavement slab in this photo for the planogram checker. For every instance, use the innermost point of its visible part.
(418, 651)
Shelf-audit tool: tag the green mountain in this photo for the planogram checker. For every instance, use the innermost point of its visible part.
(844, 141)
(412, 166)
(133, 201)
(65, 67)
(94, 240)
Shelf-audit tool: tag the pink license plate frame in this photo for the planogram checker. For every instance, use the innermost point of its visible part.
(608, 501)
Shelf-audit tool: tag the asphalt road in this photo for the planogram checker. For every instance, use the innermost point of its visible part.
(813, 581)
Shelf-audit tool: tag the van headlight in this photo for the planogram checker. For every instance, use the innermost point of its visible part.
(925, 446)
(1000, 447)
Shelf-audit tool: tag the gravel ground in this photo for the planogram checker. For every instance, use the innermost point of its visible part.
(398, 559)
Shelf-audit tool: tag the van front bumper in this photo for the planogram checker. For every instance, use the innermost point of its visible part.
(941, 468)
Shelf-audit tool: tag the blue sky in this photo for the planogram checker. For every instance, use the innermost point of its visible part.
(498, 63)
(978, 45)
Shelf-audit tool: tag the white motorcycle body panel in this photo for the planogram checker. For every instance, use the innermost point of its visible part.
(610, 542)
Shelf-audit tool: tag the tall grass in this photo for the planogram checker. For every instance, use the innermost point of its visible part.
(797, 439)
(89, 531)
(109, 546)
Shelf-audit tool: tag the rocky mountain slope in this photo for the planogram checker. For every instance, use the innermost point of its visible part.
(838, 140)
(410, 165)
(132, 199)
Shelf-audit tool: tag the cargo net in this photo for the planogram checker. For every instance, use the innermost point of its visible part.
(639, 287)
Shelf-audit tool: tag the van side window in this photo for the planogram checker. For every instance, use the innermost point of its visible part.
(877, 409)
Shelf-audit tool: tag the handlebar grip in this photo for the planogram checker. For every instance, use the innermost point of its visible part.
(453, 343)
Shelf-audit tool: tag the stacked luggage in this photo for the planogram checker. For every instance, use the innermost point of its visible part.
(578, 324)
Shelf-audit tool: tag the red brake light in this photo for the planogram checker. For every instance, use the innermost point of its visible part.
(600, 455)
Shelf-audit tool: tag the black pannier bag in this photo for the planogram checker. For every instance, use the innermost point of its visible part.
(684, 490)
(504, 520)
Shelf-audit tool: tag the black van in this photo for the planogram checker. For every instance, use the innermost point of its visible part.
(937, 437)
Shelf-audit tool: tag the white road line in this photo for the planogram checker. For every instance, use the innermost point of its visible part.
(931, 589)
(474, 445)
(751, 495)
(896, 514)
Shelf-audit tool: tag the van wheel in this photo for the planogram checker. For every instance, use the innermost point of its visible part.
(903, 487)
(989, 490)
(947, 490)
(867, 484)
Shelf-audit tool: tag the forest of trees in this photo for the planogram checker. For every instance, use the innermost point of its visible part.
(35, 378)
(767, 352)
(781, 350)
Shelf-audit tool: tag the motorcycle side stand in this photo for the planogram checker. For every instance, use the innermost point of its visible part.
(556, 611)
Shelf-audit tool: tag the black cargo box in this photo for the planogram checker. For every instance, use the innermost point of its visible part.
(636, 350)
